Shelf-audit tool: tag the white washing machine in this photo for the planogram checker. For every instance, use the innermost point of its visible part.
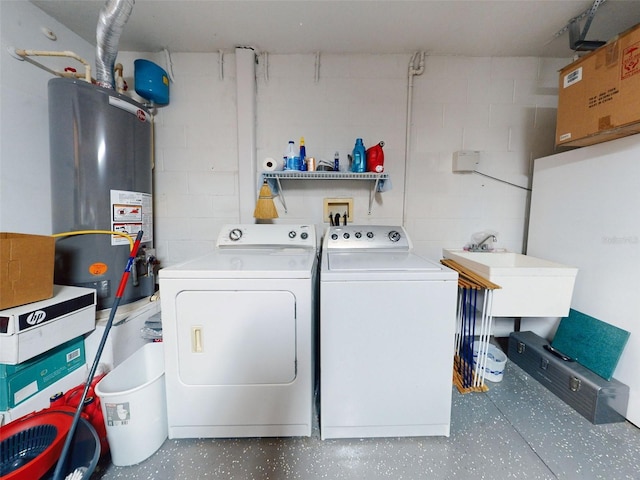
(238, 328)
(387, 325)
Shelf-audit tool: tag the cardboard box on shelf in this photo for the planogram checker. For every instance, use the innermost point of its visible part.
(26, 268)
(599, 94)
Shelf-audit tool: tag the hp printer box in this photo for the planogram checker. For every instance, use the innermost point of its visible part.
(29, 330)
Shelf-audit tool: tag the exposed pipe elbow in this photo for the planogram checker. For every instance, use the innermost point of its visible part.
(413, 71)
(113, 16)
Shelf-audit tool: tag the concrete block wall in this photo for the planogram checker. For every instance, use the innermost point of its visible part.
(25, 187)
(503, 107)
(196, 169)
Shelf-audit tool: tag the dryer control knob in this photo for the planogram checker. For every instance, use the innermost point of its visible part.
(292, 234)
(394, 236)
(235, 234)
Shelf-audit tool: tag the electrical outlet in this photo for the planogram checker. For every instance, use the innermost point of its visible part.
(465, 161)
(338, 205)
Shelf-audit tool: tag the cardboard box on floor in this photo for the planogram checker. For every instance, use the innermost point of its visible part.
(26, 268)
(599, 94)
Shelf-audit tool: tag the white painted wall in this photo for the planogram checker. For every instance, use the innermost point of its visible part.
(585, 213)
(504, 107)
(25, 191)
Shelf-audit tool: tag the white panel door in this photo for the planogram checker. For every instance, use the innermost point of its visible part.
(236, 337)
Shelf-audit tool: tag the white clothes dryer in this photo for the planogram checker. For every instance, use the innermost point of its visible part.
(238, 328)
(387, 326)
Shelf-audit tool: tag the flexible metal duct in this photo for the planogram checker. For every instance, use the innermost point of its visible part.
(113, 16)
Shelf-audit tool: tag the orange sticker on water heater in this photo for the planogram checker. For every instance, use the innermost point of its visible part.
(98, 268)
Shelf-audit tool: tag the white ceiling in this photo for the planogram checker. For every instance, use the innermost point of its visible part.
(439, 27)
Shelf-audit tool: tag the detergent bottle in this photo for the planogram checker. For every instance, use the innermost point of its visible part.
(302, 164)
(375, 158)
(359, 157)
(289, 156)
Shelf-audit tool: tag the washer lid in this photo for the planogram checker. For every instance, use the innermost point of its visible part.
(387, 261)
(379, 266)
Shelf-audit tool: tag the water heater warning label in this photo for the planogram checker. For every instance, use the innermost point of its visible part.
(130, 213)
(127, 213)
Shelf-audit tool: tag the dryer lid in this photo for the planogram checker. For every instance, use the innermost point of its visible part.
(283, 263)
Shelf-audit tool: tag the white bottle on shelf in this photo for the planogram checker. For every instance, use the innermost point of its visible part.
(289, 156)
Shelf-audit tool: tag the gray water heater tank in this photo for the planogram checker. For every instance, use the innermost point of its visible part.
(101, 179)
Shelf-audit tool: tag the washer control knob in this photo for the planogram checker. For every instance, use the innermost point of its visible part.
(346, 235)
(394, 236)
(370, 235)
(235, 234)
(334, 236)
(358, 234)
(292, 234)
(304, 235)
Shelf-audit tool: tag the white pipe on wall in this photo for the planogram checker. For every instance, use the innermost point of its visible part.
(413, 71)
(246, 112)
(221, 65)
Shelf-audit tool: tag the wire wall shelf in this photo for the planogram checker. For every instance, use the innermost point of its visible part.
(375, 178)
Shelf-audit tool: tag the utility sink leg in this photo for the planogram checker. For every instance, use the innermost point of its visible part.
(517, 321)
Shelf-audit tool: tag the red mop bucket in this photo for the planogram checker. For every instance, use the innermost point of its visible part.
(31, 445)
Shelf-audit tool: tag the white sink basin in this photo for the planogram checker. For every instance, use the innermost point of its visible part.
(531, 287)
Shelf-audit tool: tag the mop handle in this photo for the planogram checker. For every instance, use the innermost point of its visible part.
(103, 341)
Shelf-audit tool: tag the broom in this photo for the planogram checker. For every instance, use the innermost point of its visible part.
(265, 208)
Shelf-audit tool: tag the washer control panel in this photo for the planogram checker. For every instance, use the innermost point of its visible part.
(267, 235)
(367, 237)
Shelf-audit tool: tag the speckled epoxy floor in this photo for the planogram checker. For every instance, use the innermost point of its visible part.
(518, 429)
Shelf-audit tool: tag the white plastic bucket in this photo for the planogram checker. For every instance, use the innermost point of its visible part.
(134, 406)
(496, 361)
